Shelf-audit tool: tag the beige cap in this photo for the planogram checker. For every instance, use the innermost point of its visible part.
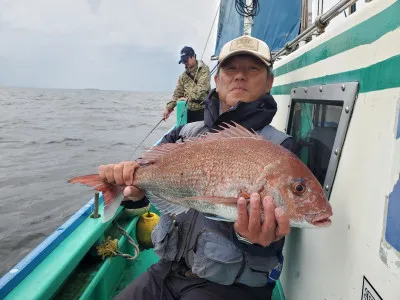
(246, 45)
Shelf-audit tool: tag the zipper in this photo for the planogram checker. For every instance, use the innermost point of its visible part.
(189, 237)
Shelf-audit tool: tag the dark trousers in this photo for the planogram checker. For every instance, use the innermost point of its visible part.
(161, 283)
(195, 115)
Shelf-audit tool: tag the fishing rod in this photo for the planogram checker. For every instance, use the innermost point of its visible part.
(159, 122)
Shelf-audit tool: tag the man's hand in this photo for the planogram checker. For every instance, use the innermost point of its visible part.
(248, 225)
(122, 174)
(166, 113)
(183, 99)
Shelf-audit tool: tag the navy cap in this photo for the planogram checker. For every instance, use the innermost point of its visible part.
(186, 52)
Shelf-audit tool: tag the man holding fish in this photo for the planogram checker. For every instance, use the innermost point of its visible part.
(228, 189)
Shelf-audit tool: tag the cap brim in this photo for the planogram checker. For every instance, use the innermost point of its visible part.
(248, 52)
(183, 60)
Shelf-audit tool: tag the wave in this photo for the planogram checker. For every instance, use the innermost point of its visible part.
(65, 140)
(120, 144)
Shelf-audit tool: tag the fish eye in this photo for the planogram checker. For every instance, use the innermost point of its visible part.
(298, 187)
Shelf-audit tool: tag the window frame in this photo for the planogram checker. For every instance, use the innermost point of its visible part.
(345, 94)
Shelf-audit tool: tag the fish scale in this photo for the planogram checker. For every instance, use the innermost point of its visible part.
(212, 174)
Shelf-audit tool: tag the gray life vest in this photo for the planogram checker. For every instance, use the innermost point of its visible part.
(206, 245)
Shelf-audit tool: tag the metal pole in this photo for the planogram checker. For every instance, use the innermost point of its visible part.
(334, 10)
(248, 21)
(304, 15)
(96, 214)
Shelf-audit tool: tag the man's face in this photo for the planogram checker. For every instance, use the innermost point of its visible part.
(190, 62)
(242, 78)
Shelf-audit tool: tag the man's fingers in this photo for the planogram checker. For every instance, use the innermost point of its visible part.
(255, 213)
(118, 174)
(101, 172)
(109, 173)
(129, 169)
(269, 224)
(283, 227)
(166, 113)
(242, 221)
(274, 226)
(121, 173)
(133, 193)
(128, 191)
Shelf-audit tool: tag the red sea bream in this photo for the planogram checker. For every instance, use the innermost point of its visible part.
(210, 173)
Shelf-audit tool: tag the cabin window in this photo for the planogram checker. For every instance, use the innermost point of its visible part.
(352, 8)
(319, 118)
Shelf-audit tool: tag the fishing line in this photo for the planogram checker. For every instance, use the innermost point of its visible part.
(214, 69)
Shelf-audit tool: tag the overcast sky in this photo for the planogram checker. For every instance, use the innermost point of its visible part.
(105, 44)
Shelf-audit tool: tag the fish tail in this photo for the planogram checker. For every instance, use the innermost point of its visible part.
(112, 194)
(92, 180)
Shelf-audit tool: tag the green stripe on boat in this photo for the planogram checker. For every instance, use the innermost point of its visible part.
(363, 33)
(379, 76)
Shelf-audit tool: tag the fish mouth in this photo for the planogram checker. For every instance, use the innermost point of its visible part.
(321, 219)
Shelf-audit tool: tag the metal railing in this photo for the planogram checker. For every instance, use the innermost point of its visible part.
(319, 25)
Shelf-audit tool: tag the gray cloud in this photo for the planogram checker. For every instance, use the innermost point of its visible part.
(130, 45)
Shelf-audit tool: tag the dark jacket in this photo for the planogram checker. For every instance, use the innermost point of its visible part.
(254, 115)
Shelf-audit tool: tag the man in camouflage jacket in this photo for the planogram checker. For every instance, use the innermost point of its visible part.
(193, 86)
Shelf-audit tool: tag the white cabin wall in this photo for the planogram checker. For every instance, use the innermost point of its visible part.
(330, 263)
(280, 119)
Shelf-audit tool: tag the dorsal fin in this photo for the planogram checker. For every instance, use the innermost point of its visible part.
(231, 131)
(154, 153)
(225, 132)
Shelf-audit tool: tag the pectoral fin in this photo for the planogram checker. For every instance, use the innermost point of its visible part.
(218, 218)
(167, 207)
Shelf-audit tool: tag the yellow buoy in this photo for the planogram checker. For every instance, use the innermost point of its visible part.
(144, 227)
